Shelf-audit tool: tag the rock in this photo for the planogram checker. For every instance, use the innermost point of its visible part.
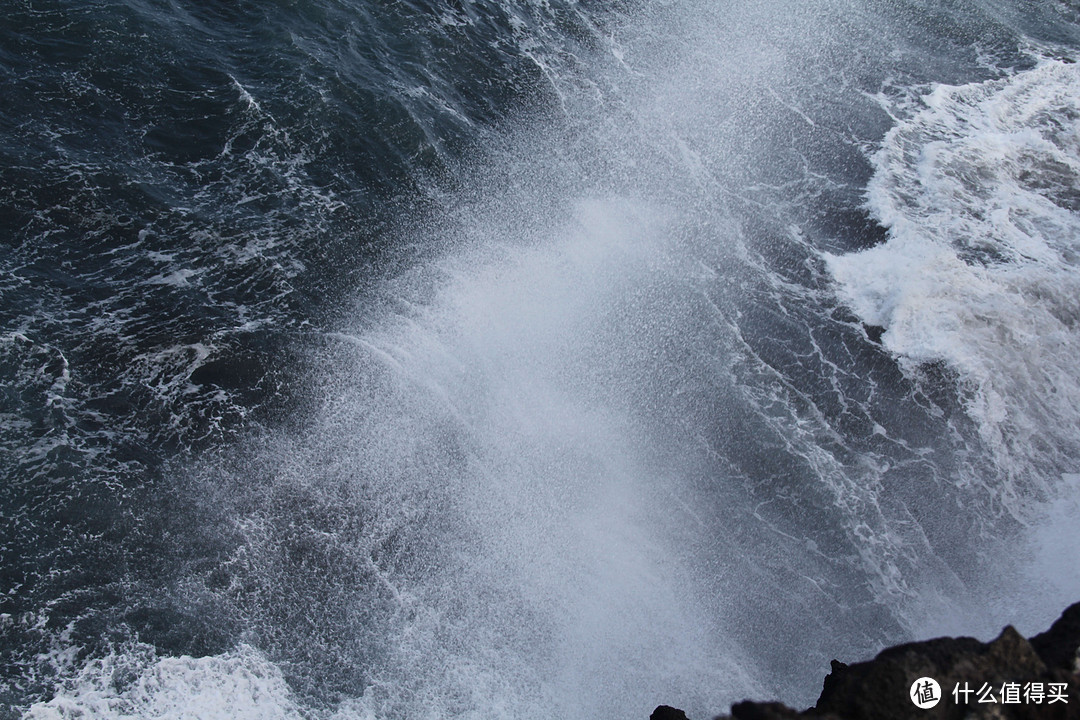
(763, 711)
(1059, 646)
(666, 712)
(965, 669)
(880, 689)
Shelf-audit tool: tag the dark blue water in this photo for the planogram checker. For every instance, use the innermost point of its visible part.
(513, 359)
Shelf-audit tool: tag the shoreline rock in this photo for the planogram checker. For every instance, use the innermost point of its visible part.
(1008, 678)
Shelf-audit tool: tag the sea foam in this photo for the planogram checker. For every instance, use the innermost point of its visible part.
(978, 189)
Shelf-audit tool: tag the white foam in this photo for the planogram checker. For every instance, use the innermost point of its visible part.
(557, 595)
(1049, 562)
(135, 683)
(177, 278)
(979, 191)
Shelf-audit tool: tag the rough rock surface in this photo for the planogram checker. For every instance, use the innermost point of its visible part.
(1010, 675)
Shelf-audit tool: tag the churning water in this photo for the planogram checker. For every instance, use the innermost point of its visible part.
(527, 359)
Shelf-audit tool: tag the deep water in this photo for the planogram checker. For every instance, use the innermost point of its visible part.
(366, 359)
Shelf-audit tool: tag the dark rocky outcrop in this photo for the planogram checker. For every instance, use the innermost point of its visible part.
(1058, 646)
(880, 689)
(1011, 671)
(666, 712)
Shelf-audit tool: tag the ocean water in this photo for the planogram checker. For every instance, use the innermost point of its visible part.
(462, 359)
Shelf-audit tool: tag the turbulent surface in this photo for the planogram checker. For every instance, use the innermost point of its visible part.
(530, 358)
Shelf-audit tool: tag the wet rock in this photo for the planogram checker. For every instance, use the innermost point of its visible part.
(1008, 678)
(763, 711)
(666, 712)
(1059, 646)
